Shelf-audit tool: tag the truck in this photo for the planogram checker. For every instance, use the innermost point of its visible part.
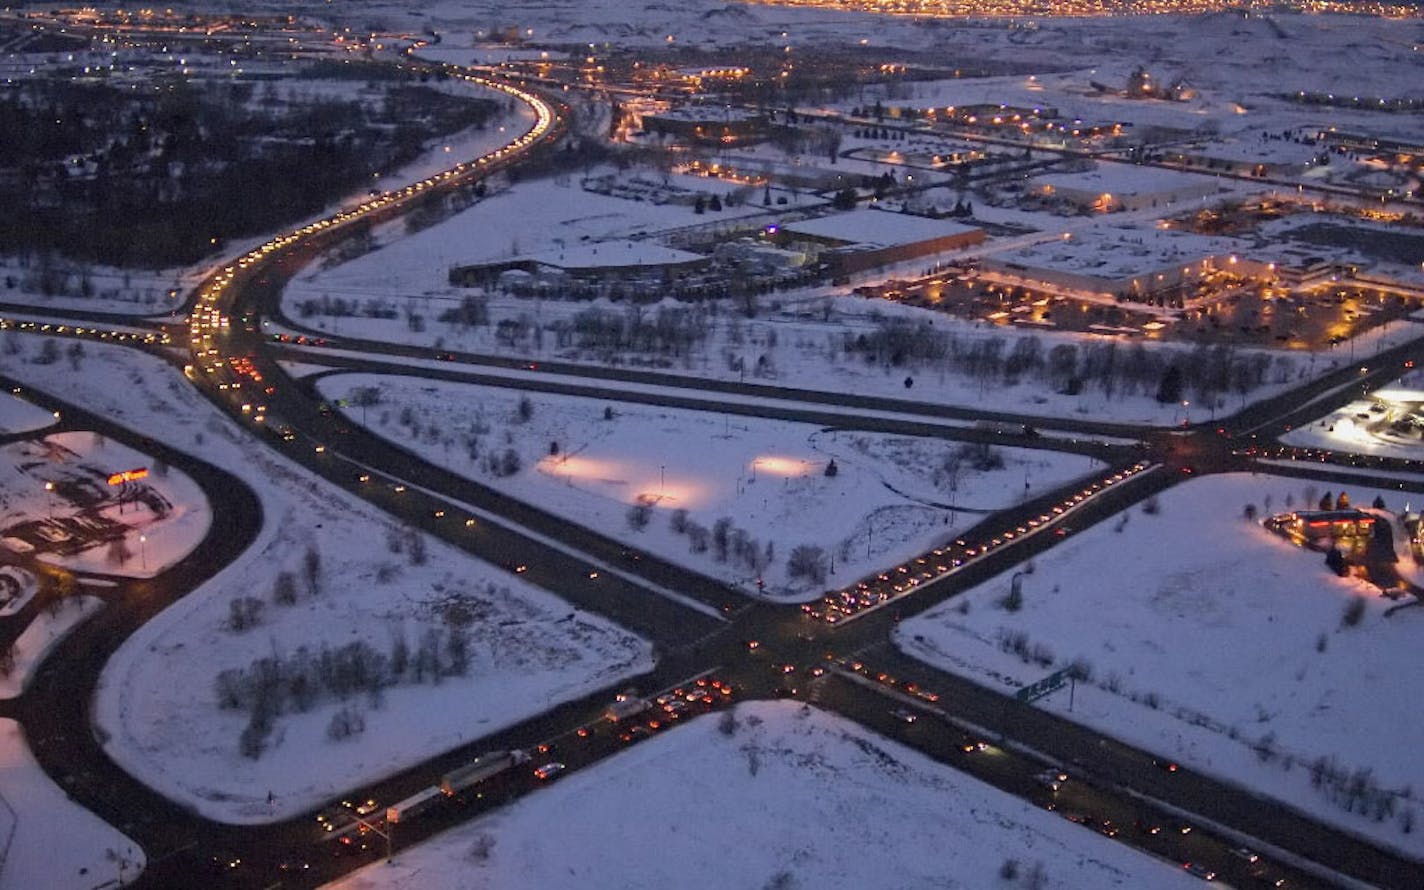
(626, 706)
(484, 767)
(414, 805)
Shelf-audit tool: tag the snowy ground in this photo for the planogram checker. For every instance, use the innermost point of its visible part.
(19, 416)
(797, 340)
(158, 701)
(892, 496)
(779, 796)
(58, 488)
(540, 216)
(56, 844)
(1368, 426)
(17, 587)
(43, 634)
(1227, 649)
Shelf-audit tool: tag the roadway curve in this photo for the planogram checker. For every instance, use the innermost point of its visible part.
(225, 323)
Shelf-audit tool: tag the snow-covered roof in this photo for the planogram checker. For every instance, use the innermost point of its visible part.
(715, 113)
(586, 255)
(1111, 253)
(877, 227)
(1126, 179)
(1256, 151)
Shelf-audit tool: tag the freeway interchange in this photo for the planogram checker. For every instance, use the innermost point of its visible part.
(834, 653)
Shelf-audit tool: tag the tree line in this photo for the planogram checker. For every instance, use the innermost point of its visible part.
(160, 177)
(1109, 366)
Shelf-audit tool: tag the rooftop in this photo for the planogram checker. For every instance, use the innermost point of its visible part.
(589, 255)
(877, 228)
(1112, 253)
(1126, 179)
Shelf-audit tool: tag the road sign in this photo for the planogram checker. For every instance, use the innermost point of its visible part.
(1051, 683)
(128, 476)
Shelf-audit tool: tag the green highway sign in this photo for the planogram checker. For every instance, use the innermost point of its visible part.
(1051, 683)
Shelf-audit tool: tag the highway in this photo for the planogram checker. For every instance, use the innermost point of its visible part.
(696, 623)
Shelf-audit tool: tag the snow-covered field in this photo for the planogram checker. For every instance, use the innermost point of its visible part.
(892, 496)
(1386, 424)
(542, 216)
(159, 698)
(791, 798)
(136, 529)
(1212, 641)
(19, 416)
(56, 844)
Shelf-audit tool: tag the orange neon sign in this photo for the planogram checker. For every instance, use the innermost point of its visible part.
(128, 476)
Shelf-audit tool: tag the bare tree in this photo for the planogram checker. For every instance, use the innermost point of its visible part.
(284, 589)
(311, 567)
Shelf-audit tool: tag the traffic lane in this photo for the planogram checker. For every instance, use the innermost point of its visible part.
(350, 452)
(1087, 445)
(1270, 417)
(577, 735)
(294, 403)
(874, 626)
(1110, 763)
(1102, 808)
(54, 709)
(705, 384)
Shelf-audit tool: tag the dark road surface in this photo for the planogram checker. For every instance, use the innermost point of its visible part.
(698, 625)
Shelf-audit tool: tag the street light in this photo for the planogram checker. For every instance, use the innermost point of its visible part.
(142, 551)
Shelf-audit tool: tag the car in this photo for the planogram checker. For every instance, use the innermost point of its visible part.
(226, 861)
(904, 716)
(1198, 870)
(1107, 828)
(549, 771)
(1051, 779)
(1245, 853)
(974, 745)
(1166, 766)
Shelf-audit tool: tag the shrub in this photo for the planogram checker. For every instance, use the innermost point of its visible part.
(1354, 611)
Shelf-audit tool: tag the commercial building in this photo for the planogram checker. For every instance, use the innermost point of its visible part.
(1124, 187)
(870, 239)
(1132, 264)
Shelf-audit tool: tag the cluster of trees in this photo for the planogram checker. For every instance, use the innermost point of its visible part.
(726, 541)
(273, 685)
(1358, 791)
(373, 307)
(157, 178)
(669, 330)
(1116, 369)
(472, 312)
(807, 561)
